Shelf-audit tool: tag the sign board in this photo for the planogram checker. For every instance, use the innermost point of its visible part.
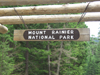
(68, 34)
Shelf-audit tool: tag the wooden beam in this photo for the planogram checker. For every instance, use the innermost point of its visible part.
(31, 2)
(49, 18)
(21, 35)
(51, 9)
(3, 29)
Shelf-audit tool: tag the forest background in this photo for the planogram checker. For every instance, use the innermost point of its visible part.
(48, 57)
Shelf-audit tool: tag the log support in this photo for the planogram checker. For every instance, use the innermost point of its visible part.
(32, 2)
(3, 29)
(51, 9)
(49, 18)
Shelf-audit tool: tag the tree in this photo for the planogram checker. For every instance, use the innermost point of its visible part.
(6, 62)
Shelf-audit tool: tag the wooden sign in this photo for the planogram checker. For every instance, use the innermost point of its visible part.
(68, 34)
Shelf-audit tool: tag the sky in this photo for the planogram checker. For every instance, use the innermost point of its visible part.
(93, 27)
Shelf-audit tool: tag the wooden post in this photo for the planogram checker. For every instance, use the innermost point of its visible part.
(51, 9)
(31, 2)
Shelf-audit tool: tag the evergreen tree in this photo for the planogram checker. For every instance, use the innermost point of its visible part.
(6, 62)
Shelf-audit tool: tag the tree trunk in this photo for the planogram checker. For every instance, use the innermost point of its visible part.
(49, 18)
(59, 58)
(26, 57)
(31, 2)
(48, 48)
(49, 58)
(3, 29)
(51, 9)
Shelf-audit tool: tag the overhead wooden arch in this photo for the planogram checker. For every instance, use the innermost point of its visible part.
(59, 9)
(33, 19)
(31, 2)
(51, 9)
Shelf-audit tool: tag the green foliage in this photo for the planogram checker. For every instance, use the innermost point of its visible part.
(6, 62)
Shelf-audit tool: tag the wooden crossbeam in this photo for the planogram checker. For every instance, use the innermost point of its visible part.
(31, 2)
(51, 9)
(49, 18)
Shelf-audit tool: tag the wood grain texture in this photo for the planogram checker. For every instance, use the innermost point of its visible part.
(3, 29)
(51, 9)
(49, 18)
(31, 2)
(84, 34)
